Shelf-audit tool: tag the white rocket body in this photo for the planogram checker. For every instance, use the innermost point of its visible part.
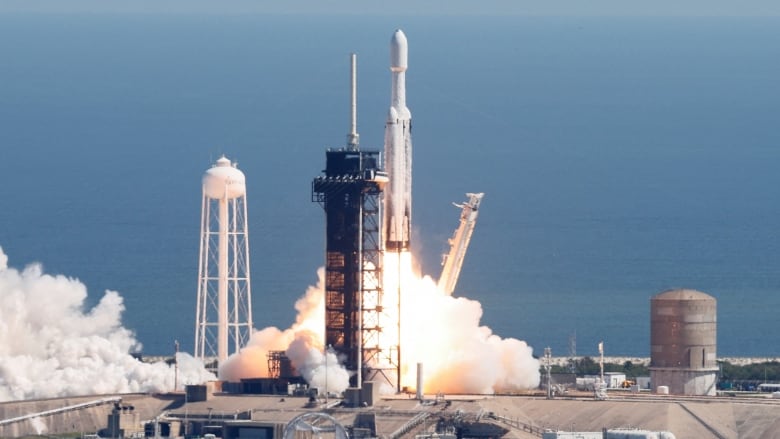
(398, 152)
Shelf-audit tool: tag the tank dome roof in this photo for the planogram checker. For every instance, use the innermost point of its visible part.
(223, 180)
(683, 294)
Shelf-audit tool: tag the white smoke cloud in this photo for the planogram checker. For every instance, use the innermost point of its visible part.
(303, 343)
(443, 332)
(458, 354)
(38, 425)
(52, 346)
(320, 370)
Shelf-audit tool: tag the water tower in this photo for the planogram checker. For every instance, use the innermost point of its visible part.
(224, 314)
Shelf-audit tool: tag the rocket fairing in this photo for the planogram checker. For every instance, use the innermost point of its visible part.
(398, 152)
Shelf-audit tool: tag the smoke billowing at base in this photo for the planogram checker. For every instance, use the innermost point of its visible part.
(441, 331)
(444, 333)
(51, 346)
(302, 342)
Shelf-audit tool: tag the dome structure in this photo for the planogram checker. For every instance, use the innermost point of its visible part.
(223, 180)
(683, 294)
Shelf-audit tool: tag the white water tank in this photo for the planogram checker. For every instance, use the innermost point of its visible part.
(224, 180)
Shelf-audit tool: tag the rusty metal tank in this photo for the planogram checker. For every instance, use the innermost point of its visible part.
(683, 341)
(683, 329)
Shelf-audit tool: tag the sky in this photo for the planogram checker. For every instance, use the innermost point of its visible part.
(404, 7)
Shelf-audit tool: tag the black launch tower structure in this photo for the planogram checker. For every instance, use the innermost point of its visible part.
(350, 191)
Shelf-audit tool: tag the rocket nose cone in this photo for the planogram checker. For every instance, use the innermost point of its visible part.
(398, 51)
(399, 37)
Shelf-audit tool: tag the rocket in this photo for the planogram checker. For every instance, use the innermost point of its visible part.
(398, 153)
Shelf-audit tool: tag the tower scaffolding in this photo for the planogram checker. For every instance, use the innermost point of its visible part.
(350, 192)
(459, 243)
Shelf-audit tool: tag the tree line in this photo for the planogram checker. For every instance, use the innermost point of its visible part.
(768, 371)
(588, 366)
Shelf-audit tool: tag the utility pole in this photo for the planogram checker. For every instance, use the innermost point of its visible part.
(547, 367)
(176, 365)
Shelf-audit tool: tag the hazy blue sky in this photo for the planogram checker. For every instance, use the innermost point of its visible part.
(503, 7)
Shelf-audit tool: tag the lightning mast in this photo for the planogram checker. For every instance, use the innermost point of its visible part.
(350, 192)
(459, 243)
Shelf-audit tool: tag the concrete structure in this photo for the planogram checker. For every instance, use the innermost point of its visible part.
(683, 341)
(124, 421)
(617, 433)
(86, 415)
(526, 417)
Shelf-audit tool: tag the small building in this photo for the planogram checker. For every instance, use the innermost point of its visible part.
(614, 380)
(588, 382)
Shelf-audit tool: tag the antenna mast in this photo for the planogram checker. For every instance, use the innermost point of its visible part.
(353, 138)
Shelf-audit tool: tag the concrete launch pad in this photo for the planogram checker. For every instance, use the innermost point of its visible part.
(519, 416)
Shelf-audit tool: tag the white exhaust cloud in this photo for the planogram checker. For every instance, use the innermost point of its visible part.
(441, 331)
(52, 346)
(302, 342)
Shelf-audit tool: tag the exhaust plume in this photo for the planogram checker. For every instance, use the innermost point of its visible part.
(444, 333)
(441, 331)
(51, 346)
(303, 343)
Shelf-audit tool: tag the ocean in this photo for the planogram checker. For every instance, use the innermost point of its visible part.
(619, 157)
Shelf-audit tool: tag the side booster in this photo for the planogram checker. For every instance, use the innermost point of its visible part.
(398, 153)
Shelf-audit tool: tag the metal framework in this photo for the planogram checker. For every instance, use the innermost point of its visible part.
(275, 363)
(459, 243)
(350, 193)
(314, 425)
(279, 365)
(224, 314)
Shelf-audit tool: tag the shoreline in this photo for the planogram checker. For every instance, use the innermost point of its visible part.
(737, 361)
(563, 361)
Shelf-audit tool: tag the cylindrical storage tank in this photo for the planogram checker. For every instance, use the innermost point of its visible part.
(683, 330)
(419, 381)
(683, 325)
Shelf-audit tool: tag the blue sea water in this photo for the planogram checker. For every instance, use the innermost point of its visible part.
(619, 156)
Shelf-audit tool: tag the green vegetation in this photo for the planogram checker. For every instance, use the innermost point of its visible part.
(764, 372)
(588, 366)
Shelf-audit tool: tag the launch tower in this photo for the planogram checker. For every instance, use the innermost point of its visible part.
(224, 314)
(350, 193)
